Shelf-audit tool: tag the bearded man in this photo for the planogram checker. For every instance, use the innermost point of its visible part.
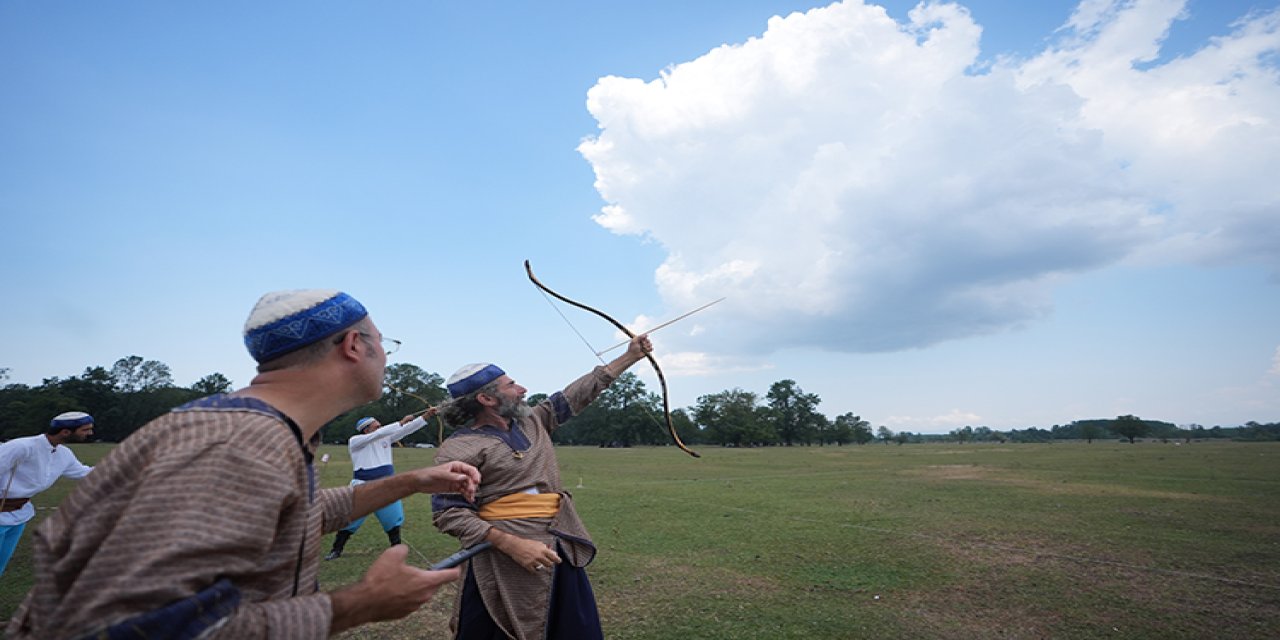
(533, 584)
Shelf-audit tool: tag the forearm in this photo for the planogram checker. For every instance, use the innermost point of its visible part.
(637, 350)
(392, 432)
(502, 540)
(335, 507)
(623, 362)
(371, 496)
(449, 477)
(530, 554)
(349, 608)
(311, 616)
(463, 524)
(390, 589)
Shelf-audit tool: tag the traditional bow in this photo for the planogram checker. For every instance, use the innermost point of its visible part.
(662, 379)
(430, 408)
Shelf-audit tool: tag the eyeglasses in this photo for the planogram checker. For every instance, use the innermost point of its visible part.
(390, 345)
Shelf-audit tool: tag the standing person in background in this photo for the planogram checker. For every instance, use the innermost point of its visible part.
(533, 583)
(370, 460)
(32, 464)
(207, 521)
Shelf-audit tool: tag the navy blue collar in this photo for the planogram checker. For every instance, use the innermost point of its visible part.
(513, 436)
(222, 401)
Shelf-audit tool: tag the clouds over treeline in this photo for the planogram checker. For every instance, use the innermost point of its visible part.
(855, 183)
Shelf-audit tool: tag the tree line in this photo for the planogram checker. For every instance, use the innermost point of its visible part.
(133, 391)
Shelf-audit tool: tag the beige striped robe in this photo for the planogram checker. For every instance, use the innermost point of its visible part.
(195, 495)
(517, 599)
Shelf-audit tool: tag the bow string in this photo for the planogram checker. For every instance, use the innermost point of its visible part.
(662, 379)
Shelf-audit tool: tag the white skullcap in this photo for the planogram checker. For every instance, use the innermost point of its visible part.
(284, 321)
(472, 377)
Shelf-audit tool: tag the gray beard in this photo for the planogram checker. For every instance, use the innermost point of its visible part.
(514, 409)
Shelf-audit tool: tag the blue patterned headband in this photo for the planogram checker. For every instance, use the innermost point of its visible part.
(285, 321)
(472, 377)
(363, 422)
(70, 420)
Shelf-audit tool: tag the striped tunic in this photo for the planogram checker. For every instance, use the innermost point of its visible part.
(219, 488)
(511, 461)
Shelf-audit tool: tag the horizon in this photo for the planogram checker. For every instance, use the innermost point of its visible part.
(977, 213)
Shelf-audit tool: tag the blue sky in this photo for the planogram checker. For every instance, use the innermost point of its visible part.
(995, 213)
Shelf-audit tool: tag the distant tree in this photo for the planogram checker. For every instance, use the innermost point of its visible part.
(1031, 434)
(859, 429)
(733, 418)
(141, 387)
(135, 374)
(1130, 427)
(1254, 430)
(625, 414)
(632, 414)
(685, 427)
(902, 437)
(824, 430)
(25, 411)
(1090, 431)
(408, 389)
(95, 392)
(793, 412)
(1190, 431)
(212, 384)
(962, 435)
(884, 434)
(414, 390)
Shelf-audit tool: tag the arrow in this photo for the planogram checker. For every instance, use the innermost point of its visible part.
(671, 321)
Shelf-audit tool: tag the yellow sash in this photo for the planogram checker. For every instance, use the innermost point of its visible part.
(521, 505)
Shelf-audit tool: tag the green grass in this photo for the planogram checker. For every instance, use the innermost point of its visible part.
(918, 541)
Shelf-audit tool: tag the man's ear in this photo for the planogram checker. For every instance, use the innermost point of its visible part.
(348, 344)
(486, 400)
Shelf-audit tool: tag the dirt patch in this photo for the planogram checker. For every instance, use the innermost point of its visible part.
(1003, 592)
(646, 594)
(431, 622)
(954, 472)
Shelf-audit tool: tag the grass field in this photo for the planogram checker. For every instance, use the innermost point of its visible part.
(1107, 540)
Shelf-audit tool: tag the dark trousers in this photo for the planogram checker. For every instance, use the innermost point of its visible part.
(572, 615)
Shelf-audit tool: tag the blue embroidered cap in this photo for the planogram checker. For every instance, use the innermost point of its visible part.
(70, 420)
(285, 321)
(472, 377)
(363, 422)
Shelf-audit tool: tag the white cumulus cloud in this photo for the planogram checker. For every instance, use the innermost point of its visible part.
(857, 184)
(953, 419)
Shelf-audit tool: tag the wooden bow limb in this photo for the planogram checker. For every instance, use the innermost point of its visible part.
(662, 379)
(430, 407)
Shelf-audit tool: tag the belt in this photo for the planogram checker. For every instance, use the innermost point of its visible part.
(13, 504)
(514, 506)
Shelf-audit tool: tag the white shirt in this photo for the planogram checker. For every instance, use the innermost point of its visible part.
(373, 450)
(35, 465)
